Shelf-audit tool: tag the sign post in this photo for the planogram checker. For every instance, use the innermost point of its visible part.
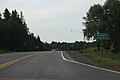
(100, 37)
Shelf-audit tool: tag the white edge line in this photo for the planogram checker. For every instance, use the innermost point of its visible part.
(88, 65)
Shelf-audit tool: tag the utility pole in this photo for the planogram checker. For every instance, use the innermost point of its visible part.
(83, 36)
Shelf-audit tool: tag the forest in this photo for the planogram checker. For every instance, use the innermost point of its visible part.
(15, 36)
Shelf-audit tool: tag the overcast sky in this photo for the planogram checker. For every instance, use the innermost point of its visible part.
(53, 19)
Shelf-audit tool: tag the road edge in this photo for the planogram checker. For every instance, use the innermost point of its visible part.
(76, 62)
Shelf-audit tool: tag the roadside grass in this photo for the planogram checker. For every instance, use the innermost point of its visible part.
(105, 57)
(74, 53)
(4, 51)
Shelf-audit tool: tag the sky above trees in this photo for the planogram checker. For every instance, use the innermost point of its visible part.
(52, 19)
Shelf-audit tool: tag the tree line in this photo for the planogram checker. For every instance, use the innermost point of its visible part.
(15, 35)
(104, 19)
(65, 46)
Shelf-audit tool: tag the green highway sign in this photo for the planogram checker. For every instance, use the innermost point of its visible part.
(102, 36)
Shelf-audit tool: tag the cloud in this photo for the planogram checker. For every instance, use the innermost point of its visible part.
(58, 14)
(66, 7)
(52, 17)
(47, 8)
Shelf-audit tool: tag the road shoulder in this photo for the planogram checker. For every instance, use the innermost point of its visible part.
(82, 61)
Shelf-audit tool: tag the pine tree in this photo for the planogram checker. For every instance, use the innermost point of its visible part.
(6, 14)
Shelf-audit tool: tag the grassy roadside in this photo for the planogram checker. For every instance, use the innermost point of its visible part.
(105, 58)
(4, 51)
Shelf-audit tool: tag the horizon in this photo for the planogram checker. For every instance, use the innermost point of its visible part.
(53, 20)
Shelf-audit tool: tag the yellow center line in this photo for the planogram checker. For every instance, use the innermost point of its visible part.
(15, 61)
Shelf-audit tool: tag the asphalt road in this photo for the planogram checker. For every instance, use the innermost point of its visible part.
(50, 66)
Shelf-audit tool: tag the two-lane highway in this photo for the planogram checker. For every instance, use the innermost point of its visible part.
(50, 66)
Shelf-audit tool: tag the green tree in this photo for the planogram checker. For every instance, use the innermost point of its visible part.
(112, 11)
(104, 19)
(15, 35)
(92, 21)
(6, 14)
(0, 16)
